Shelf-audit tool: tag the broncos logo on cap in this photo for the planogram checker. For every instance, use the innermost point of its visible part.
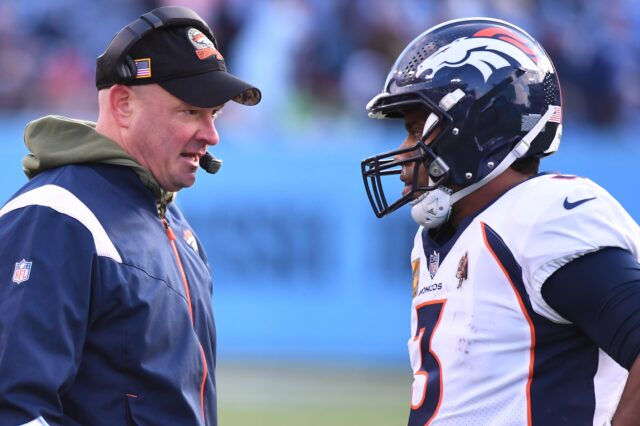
(487, 50)
(204, 47)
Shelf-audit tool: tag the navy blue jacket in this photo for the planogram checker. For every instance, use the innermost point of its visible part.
(97, 324)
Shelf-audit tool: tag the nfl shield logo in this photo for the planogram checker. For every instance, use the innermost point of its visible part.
(434, 262)
(21, 272)
(190, 239)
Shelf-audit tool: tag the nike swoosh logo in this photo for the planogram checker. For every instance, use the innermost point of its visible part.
(573, 204)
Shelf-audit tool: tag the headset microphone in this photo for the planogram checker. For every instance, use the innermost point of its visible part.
(210, 163)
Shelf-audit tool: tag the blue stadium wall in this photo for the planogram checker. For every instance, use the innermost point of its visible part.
(302, 268)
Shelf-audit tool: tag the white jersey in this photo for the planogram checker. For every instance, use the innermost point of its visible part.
(485, 348)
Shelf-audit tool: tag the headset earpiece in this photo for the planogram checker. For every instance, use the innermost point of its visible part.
(126, 69)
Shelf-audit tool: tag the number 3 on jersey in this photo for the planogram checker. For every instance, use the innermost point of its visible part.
(426, 392)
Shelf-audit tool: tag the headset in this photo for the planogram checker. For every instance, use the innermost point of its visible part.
(115, 66)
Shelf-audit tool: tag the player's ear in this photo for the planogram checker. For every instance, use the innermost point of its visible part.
(121, 99)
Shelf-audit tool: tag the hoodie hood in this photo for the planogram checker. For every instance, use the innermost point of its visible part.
(55, 141)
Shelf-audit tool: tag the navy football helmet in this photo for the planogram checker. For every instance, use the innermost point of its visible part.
(493, 94)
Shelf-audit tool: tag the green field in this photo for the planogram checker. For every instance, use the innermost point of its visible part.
(309, 395)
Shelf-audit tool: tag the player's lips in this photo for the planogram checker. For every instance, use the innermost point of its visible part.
(408, 184)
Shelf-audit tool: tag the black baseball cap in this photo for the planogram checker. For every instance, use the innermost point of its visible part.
(185, 62)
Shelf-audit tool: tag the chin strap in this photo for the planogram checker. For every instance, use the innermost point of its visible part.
(432, 208)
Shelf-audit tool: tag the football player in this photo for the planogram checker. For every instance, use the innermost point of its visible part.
(526, 285)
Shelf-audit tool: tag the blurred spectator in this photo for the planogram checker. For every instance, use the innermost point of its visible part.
(317, 57)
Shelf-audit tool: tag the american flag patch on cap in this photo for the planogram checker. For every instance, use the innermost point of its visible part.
(143, 68)
(556, 114)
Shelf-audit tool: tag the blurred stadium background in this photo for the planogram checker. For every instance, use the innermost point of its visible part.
(311, 291)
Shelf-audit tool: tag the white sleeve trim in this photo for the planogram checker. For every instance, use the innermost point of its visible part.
(63, 201)
(540, 276)
(36, 422)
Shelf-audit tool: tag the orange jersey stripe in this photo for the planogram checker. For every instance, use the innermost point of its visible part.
(526, 315)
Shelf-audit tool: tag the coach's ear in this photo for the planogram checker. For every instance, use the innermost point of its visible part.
(120, 104)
